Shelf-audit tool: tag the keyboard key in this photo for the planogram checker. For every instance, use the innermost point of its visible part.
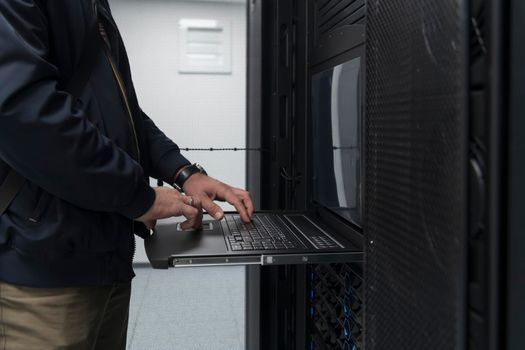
(261, 234)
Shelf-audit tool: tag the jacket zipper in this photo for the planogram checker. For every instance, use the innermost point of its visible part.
(118, 78)
(120, 84)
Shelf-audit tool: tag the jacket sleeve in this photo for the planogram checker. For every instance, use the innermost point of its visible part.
(47, 140)
(165, 155)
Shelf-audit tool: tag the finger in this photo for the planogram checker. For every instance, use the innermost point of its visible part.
(190, 224)
(198, 205)
(190, 213)
(186, 225)
(181, 208)
(234, 200)
(212, 208)
(188, 200)
(246, 199)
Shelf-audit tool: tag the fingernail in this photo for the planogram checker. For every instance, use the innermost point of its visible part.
(217, 216)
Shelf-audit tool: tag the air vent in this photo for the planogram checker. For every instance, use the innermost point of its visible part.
(334, 14)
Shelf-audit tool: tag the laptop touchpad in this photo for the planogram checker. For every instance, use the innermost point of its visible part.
(206, 226)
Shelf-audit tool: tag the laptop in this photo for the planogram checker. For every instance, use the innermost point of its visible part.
(328, 233)
(270, 239)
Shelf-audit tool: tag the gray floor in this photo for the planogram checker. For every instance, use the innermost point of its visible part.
(187, 308)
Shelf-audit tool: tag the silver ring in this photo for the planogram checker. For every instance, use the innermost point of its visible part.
(191, 200)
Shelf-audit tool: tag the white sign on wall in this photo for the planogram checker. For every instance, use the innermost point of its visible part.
(205, 46)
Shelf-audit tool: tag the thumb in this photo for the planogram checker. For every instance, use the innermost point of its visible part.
(212, 208)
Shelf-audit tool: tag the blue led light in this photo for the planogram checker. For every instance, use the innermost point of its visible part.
(346, 328)
(346, 310)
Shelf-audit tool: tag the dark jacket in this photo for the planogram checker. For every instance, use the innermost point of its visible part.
(87, 160)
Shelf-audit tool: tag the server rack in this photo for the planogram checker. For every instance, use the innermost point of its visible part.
(346, 306)
(335, 296)
(301, 307)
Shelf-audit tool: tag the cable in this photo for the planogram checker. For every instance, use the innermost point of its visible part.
(214, 149)
(284, 175)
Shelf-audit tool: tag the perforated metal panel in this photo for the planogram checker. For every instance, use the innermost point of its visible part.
(416, 157)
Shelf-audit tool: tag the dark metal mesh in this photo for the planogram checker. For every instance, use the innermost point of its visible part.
(415, 174)
(335, 306)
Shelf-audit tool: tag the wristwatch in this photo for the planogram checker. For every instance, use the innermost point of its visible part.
(185, 173)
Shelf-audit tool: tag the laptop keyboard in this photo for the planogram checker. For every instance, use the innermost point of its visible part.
(260, 234)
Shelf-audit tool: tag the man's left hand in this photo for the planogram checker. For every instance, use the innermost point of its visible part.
(207, 189)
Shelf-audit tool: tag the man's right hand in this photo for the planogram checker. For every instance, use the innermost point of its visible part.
(170, 202)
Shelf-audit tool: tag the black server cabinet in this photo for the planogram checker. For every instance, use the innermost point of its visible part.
(416, 195)
(335, 292)
(443, 221)
(302, 307)
(275, 119)
(439, 83)
(283, 92)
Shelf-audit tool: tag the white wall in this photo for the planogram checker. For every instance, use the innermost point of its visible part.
(195, 110)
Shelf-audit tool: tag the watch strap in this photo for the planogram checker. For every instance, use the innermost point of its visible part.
(185, 173)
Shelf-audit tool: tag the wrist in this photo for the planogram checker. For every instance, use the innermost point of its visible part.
(189, 184)
(179, 171)
(185, 173)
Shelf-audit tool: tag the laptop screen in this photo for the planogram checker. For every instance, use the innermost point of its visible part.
(337, 111)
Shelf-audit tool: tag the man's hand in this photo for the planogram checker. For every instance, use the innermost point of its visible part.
(170, 202)
(205, 190)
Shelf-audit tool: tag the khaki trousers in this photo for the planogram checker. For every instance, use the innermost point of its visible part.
(79, 318)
